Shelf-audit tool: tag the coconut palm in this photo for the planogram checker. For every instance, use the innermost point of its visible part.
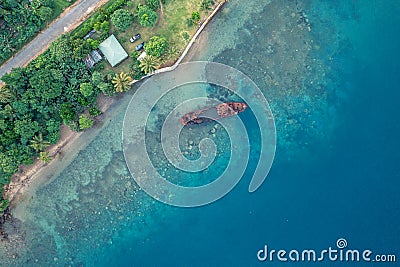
(122, 82)
(148, 64)
(5, 94)
(38, 144)
(44, 156)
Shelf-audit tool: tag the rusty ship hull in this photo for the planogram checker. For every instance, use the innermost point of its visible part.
(217, 112)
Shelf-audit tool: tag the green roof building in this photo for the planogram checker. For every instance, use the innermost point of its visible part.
(113, 50)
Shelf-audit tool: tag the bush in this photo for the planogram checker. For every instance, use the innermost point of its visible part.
(86, 89)
(84, 29)
(98, 67)
(195, 16)
(74, 126)
(156, 46)
(85, 122)
(44, 156)
(3, 204)
(94, 44)
(116, 4)
(94, 111)
(153, 4)
(121, 19)
(53, 129)
(189, 22)
(97, 78)
(110, 74)
(106, 88)
(146, 16)
(185, 36)
(83, 101)
(134, 54)
(67, 113)
(135, 72)
(105, 26)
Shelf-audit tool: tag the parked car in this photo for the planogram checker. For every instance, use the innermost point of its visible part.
(135, 38)
(140, 46)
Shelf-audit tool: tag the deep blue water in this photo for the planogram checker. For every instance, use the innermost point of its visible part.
(343, 186)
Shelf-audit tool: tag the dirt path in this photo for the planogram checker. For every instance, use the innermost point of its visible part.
(161, 7)
(71, 18)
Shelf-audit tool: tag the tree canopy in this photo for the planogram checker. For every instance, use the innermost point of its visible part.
(153, 4)
(195, 16)
(121, 19)
(146, 16)
(156, 46)
(86, 89)
(36, 99)
(85, 122)
(20, 20)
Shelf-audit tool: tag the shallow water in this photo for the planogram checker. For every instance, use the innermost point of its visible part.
(333, 90)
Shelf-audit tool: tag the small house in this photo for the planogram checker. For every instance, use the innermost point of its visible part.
(113, 51)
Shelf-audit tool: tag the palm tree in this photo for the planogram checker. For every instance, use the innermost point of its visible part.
(5, 94)
(148, 64)
(122, 82)
(44, 156)
(38, 144)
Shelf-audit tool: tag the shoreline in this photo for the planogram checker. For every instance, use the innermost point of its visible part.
(26, 174)
(24, 178)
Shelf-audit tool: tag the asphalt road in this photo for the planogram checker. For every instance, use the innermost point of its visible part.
(70, 19)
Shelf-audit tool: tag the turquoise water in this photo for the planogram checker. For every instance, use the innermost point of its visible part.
(334, 93)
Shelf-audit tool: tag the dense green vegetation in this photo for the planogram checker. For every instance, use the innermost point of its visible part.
(99, 20)
(153, 4)
(196, 16)
(156, 46)
(147, 16)
(121, 19)
(57, 88)
(54, 88)
(206, 4)
(85, 122)
(44, 156)
(21, 20)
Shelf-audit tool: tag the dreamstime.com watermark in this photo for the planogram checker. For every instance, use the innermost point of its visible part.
(193, 73)
(340, 253)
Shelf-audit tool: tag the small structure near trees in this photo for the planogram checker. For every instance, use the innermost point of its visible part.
(93, 58)
(113, 50)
